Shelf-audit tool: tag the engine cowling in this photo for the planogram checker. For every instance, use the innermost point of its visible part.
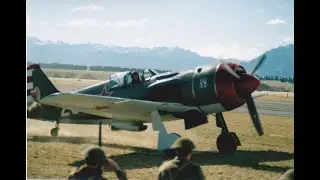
(204, 86)
(231, 92)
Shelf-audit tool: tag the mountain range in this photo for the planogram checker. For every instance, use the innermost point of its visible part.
(280, 61)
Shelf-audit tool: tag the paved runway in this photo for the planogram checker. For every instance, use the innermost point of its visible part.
(263, 107)
(272, 108)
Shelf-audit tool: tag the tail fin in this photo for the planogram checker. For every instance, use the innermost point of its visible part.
(38, 84)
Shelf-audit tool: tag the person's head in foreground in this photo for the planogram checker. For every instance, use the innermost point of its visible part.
(96, 161)
(184, 148)
(288, 175)
(96, 157)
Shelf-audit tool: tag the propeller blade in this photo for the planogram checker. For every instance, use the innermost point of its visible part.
(258, 65)
(254, 115)
(228, 69)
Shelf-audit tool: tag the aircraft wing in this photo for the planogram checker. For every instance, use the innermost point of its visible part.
(111, 107)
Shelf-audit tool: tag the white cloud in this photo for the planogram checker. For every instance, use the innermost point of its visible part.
(87, 22)
(284, 40)
(233, 50)
(90, 22)
(276, 21)
(144, 42)
(130, 23)
(260, 45)
(89, 8)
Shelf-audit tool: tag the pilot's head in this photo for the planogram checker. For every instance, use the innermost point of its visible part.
(135, 76)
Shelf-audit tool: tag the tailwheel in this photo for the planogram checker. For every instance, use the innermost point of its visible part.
(227, 143)
(54, 132)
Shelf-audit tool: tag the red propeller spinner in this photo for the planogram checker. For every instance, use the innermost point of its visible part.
(232, 92)
(234, 86)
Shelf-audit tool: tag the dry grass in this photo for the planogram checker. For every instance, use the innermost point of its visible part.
(265, 157)
(65, 84)
(275, 98)
(277, 83)
(77, 74)
(279, 86)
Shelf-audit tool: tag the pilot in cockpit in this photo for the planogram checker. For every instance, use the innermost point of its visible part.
(135, 78)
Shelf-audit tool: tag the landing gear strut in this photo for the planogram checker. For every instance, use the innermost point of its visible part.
(227, 142)
(55, 131)
(165, 139)
(100, 135)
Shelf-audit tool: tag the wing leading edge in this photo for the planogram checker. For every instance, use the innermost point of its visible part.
(115, 107)
(112, 107)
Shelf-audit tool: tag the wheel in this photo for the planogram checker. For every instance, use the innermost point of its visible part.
(227, 143)
(54, 132)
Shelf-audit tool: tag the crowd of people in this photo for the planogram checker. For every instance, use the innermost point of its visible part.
(179, 168)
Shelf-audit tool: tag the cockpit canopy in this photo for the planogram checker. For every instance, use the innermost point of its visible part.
(148, 73)
(119, 79)
(122, 79)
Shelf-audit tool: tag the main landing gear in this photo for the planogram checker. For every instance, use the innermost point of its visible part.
(55, 131)
(165, 140)
(227, 142)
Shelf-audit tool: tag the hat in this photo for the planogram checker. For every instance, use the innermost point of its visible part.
(288, 175)
(96, 156)
(183, 143)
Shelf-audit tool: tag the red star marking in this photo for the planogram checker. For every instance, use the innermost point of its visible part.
(105, 93)
(100, 107)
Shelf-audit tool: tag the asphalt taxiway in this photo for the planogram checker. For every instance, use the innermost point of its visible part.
(271, 108)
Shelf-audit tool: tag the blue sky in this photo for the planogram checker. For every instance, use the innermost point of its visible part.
(241, 29)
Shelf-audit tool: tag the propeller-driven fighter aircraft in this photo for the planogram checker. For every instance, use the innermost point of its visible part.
(128, 100)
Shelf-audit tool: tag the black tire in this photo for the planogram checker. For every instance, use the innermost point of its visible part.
(54, 132)
(227, 143)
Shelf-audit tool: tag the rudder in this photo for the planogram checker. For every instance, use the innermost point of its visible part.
(38, 84)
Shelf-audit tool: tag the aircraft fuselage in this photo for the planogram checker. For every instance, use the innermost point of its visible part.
(209, 88)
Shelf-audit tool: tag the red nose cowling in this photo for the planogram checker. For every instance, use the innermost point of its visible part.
(232, 92)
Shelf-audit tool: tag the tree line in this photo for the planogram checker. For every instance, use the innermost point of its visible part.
(91, 68)
(277, 78)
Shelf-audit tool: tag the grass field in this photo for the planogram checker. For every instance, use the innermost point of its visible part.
(265, 157)
(275, 98)
(77, 74)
